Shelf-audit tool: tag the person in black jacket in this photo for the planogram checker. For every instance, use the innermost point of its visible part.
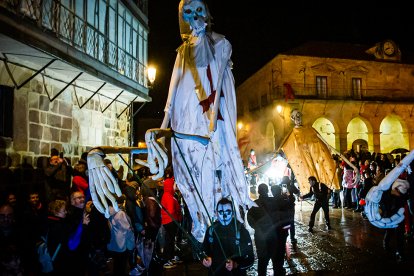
(282, 220)
(98, 235)
(261, 220)
(227, 243)
(292, 190)
(367, 184)
(391, 201)
(321, 193)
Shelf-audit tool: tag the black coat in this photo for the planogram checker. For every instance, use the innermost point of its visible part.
(321, 192)
(390, 204)
(263, 218)
(239, 250)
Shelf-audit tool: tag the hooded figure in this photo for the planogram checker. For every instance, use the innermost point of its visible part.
(227, 243)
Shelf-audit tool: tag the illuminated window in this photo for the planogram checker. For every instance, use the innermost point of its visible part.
(356, 88)
(321, 86)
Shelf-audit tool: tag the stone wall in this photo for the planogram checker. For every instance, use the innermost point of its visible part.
(39, 124)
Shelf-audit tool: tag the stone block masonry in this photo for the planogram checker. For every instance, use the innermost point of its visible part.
(40, 125)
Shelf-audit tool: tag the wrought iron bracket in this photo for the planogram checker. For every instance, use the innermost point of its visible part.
(18, 86)
(103, 110)
(94, 93)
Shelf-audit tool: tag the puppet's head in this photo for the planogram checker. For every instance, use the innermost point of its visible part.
(225, 211)
(194, 18)
(296, 117)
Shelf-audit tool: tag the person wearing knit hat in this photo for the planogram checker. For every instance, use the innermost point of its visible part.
(263, 190)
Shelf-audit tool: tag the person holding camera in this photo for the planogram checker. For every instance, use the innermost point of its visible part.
(289, 188)
(58, 177)
(322, 193)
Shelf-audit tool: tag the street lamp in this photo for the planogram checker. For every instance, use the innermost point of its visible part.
(281, 111)
(151, 73)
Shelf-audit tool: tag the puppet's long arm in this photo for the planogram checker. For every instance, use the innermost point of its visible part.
(158, 152)
(375, 193)
(156, 148)
(214, 113)
(357, 174)
(175, 78)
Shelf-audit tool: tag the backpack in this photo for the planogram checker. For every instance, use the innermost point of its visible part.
(44, 257)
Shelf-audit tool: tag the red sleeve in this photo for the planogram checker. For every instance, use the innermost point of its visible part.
(80, 182)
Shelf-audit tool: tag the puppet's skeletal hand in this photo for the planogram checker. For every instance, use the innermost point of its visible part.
(372, 210)
(102, 184)
(156, 152)
(374, 195)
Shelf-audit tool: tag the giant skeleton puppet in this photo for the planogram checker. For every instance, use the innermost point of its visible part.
(201, 111)
(309, 154)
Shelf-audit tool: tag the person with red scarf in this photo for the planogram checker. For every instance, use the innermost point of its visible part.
(170, 216)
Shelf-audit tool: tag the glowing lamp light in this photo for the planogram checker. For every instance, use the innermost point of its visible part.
(277, 169)
(240, 125)
(142, 145)
(279, 109)
(151, 74)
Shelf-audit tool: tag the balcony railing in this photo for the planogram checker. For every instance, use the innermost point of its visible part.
(73, 30)
(340, 93)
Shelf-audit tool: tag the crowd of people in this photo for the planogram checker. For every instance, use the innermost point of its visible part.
(372, 169)
(144, 237)
(52, 204)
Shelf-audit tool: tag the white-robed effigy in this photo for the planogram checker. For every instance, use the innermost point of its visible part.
(205, 157)
(205, 173)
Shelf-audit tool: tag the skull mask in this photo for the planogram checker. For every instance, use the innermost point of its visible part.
(296, 117)
(194, 16)
(225, 213)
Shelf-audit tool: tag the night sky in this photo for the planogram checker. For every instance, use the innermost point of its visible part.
(261, 31)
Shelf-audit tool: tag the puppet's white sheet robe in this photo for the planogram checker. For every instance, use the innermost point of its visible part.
(217, 168)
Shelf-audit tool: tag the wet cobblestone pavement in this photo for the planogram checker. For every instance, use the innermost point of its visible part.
(353, 247)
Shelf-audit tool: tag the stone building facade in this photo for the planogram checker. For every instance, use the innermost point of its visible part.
(355, 96)
(39, 124)
(70, 72)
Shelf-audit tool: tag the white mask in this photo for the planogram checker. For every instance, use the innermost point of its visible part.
(225, 214)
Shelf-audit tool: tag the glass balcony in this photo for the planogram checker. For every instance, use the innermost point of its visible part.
(101, 42)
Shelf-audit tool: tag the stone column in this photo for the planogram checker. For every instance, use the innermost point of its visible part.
(377, 141)
(343, 137)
